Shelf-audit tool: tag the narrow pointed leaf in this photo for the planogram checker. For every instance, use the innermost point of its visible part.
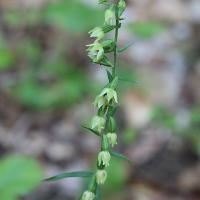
(110, 78)
(95, 132)
(81, 174)
(99, 63)
(124, 48)
(113, 111)
(108, 85)
(122, 78)
(115, 154)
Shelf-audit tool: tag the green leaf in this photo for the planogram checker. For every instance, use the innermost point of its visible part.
(98, 193)
(108, 85)
(110, 78)
(113, 111)
(19, 176)
(100, 63)
(95, 132)
(122, 78)
(115, 154)
(112, 46)
(69, 175)
(124, 48)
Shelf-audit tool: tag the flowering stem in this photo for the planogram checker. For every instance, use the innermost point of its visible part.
(116, 36)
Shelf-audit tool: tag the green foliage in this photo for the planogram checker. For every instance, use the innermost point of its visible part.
(73, 16)
(124, 48)
(19, 175)
(117, 155)
(93, 131)
(147, 29)
(122, 78)
(69, 175)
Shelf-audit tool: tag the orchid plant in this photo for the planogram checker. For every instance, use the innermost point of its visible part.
(106, 101)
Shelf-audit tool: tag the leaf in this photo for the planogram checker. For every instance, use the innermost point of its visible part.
(98, 192)
(107, 4)
(102, 64)
(69, 175)
(108, 85)
(95, 132)
(124, 48)
(110, 78)
(19, 176)
(113, 111)
(108, 28)
(115, 154)
(122, 78)
(112, 46)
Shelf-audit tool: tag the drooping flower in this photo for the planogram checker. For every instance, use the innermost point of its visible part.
(97, 32)
(97, 121)
(122, 6)
(100, 101)
(111, 93)
(88, 195)
(101, 176)
(109, 16)
(96, 51)
(112, 137)
(104, 156)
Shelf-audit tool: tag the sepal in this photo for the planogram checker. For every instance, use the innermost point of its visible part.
(106, 61)
(108, 28)
(105, 43)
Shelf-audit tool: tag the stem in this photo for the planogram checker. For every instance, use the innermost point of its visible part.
(116, 36)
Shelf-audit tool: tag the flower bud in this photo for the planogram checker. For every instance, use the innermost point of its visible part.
(112, 137)
(101, 176)
(88, 195)
(111, 93)
(105, 157)
(97, 32)
(100, 101)
(102, 111)
(121, 7)
(97, 121)
(109, 16)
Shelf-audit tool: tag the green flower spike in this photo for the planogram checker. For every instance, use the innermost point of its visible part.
(105, 157)
(109, 16)
(97, 32)
(88, 195)
(101, 1)
(111, 93)
(112, 137)
(100, 101)
(97, 121)
(101, 176)
(96, 51)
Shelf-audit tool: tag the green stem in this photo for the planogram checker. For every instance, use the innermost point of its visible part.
(116, 36)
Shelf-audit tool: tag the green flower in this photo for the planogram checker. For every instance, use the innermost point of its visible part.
(105, 157)
(112, 137)
(96, 51)
(100, 101)
(97, 121)
(101, 176)
(97, 32)
(109, 16)
(88, 195)
(111, 93)
(122, 4)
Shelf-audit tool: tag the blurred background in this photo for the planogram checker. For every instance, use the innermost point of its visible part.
(47, 86)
